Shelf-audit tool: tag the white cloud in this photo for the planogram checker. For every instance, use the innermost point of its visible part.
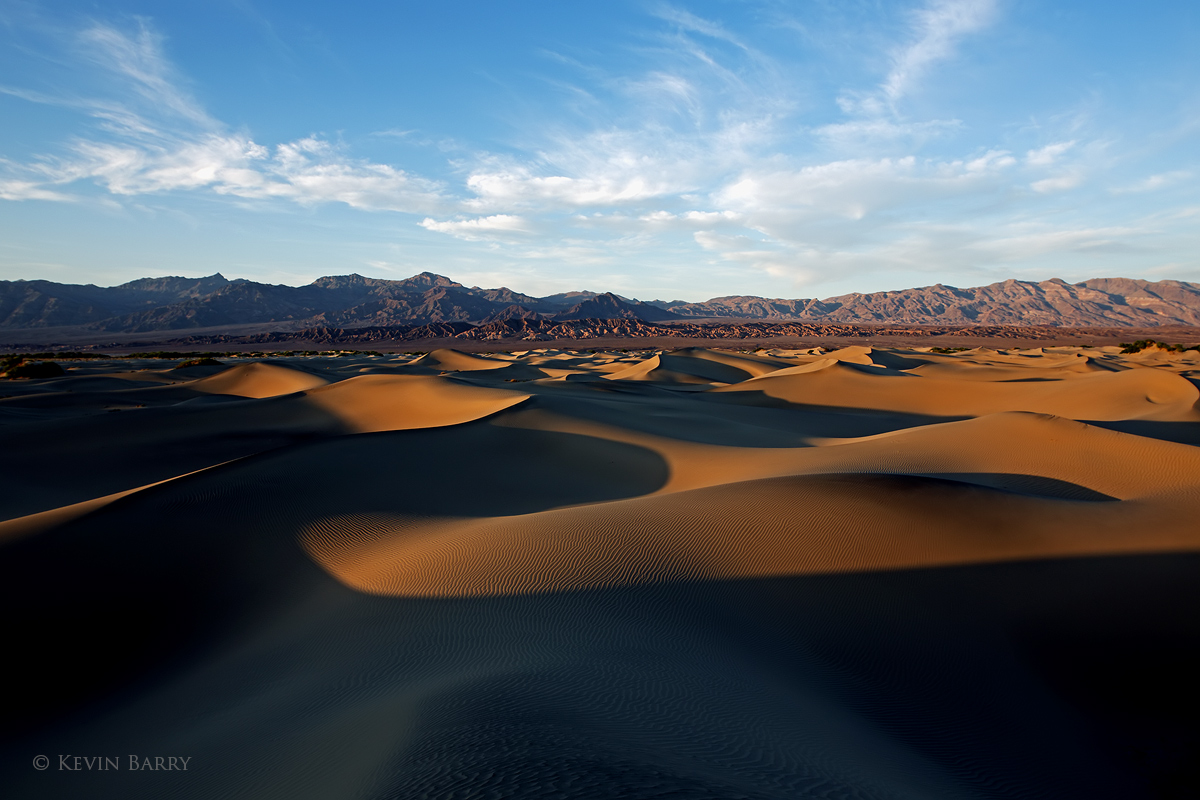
(848, 217)
(938, 28)
(172, 144)
(990, 161)
(1058, 183)
(1017, 243)
(765, 256)
(138, 57)
(480, 228)
(666, 89)
(307, 171)
(312, 170)
(1045, 156)
(1154, 182)
(869, 131)
(854, 188)
(690, 22)
(722, 243)
(519, 188)
(690, 220)
(160, 140)
(29, 190)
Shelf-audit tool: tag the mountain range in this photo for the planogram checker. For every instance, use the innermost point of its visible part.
(352, 301)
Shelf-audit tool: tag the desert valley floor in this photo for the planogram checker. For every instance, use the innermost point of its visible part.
(700, 573)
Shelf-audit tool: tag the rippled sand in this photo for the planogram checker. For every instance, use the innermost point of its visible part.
(685, 574)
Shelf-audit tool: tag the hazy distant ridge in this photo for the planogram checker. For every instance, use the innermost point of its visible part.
(1098, 302)
(349, 301)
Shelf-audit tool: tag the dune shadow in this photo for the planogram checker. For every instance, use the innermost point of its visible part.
(843, 422)
(711, 419)
(132, 589)
(1064, 678)
(878, 370)
(1032, 485)
(65, 461)
(1178, 432)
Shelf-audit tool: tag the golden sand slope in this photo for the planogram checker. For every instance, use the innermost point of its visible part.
(258, 380)
(1097, 396)
(957, 493)
(699, 573)
(389, 403)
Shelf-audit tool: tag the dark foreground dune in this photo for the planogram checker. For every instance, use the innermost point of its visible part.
(680, 574)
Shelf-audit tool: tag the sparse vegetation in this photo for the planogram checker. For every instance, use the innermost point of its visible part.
(10, 360)
(34, 369)
(189, 358)
(199, 362)
(168, 354)
(63, 355)
(1146, 344)
(947, 350)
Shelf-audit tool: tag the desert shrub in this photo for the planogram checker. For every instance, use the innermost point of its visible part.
(172, 355)
(10, 360)
(71, 355)
(1145, 344)
(34, 369)
(199, 362)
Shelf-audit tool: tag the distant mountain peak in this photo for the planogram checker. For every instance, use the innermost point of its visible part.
(431, 279)
(511, 312)
(331, 281)
(610, 306)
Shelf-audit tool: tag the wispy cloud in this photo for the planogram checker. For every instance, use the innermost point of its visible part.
(493, 228)
(1155, 182)
(137, 56)
(935, 32)
(1058, 183)
(1045, 156)
(161, 140)
(30, 190)
(854, 188)
(691, 23)
(938, 27)
(1019, 243)
(306, 171)
(870, 132)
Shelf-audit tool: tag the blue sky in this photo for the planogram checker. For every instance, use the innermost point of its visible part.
(662, 150)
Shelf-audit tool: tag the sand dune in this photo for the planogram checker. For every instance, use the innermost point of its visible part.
(1099, 396)
(809, 525)
(861, 572)
(386, 403)
(258, 380)
(455, 361)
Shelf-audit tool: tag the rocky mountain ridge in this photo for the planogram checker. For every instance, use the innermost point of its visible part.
(1100, 302)
(354, 301)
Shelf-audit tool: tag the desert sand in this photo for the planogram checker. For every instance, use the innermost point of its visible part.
(697, 573)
